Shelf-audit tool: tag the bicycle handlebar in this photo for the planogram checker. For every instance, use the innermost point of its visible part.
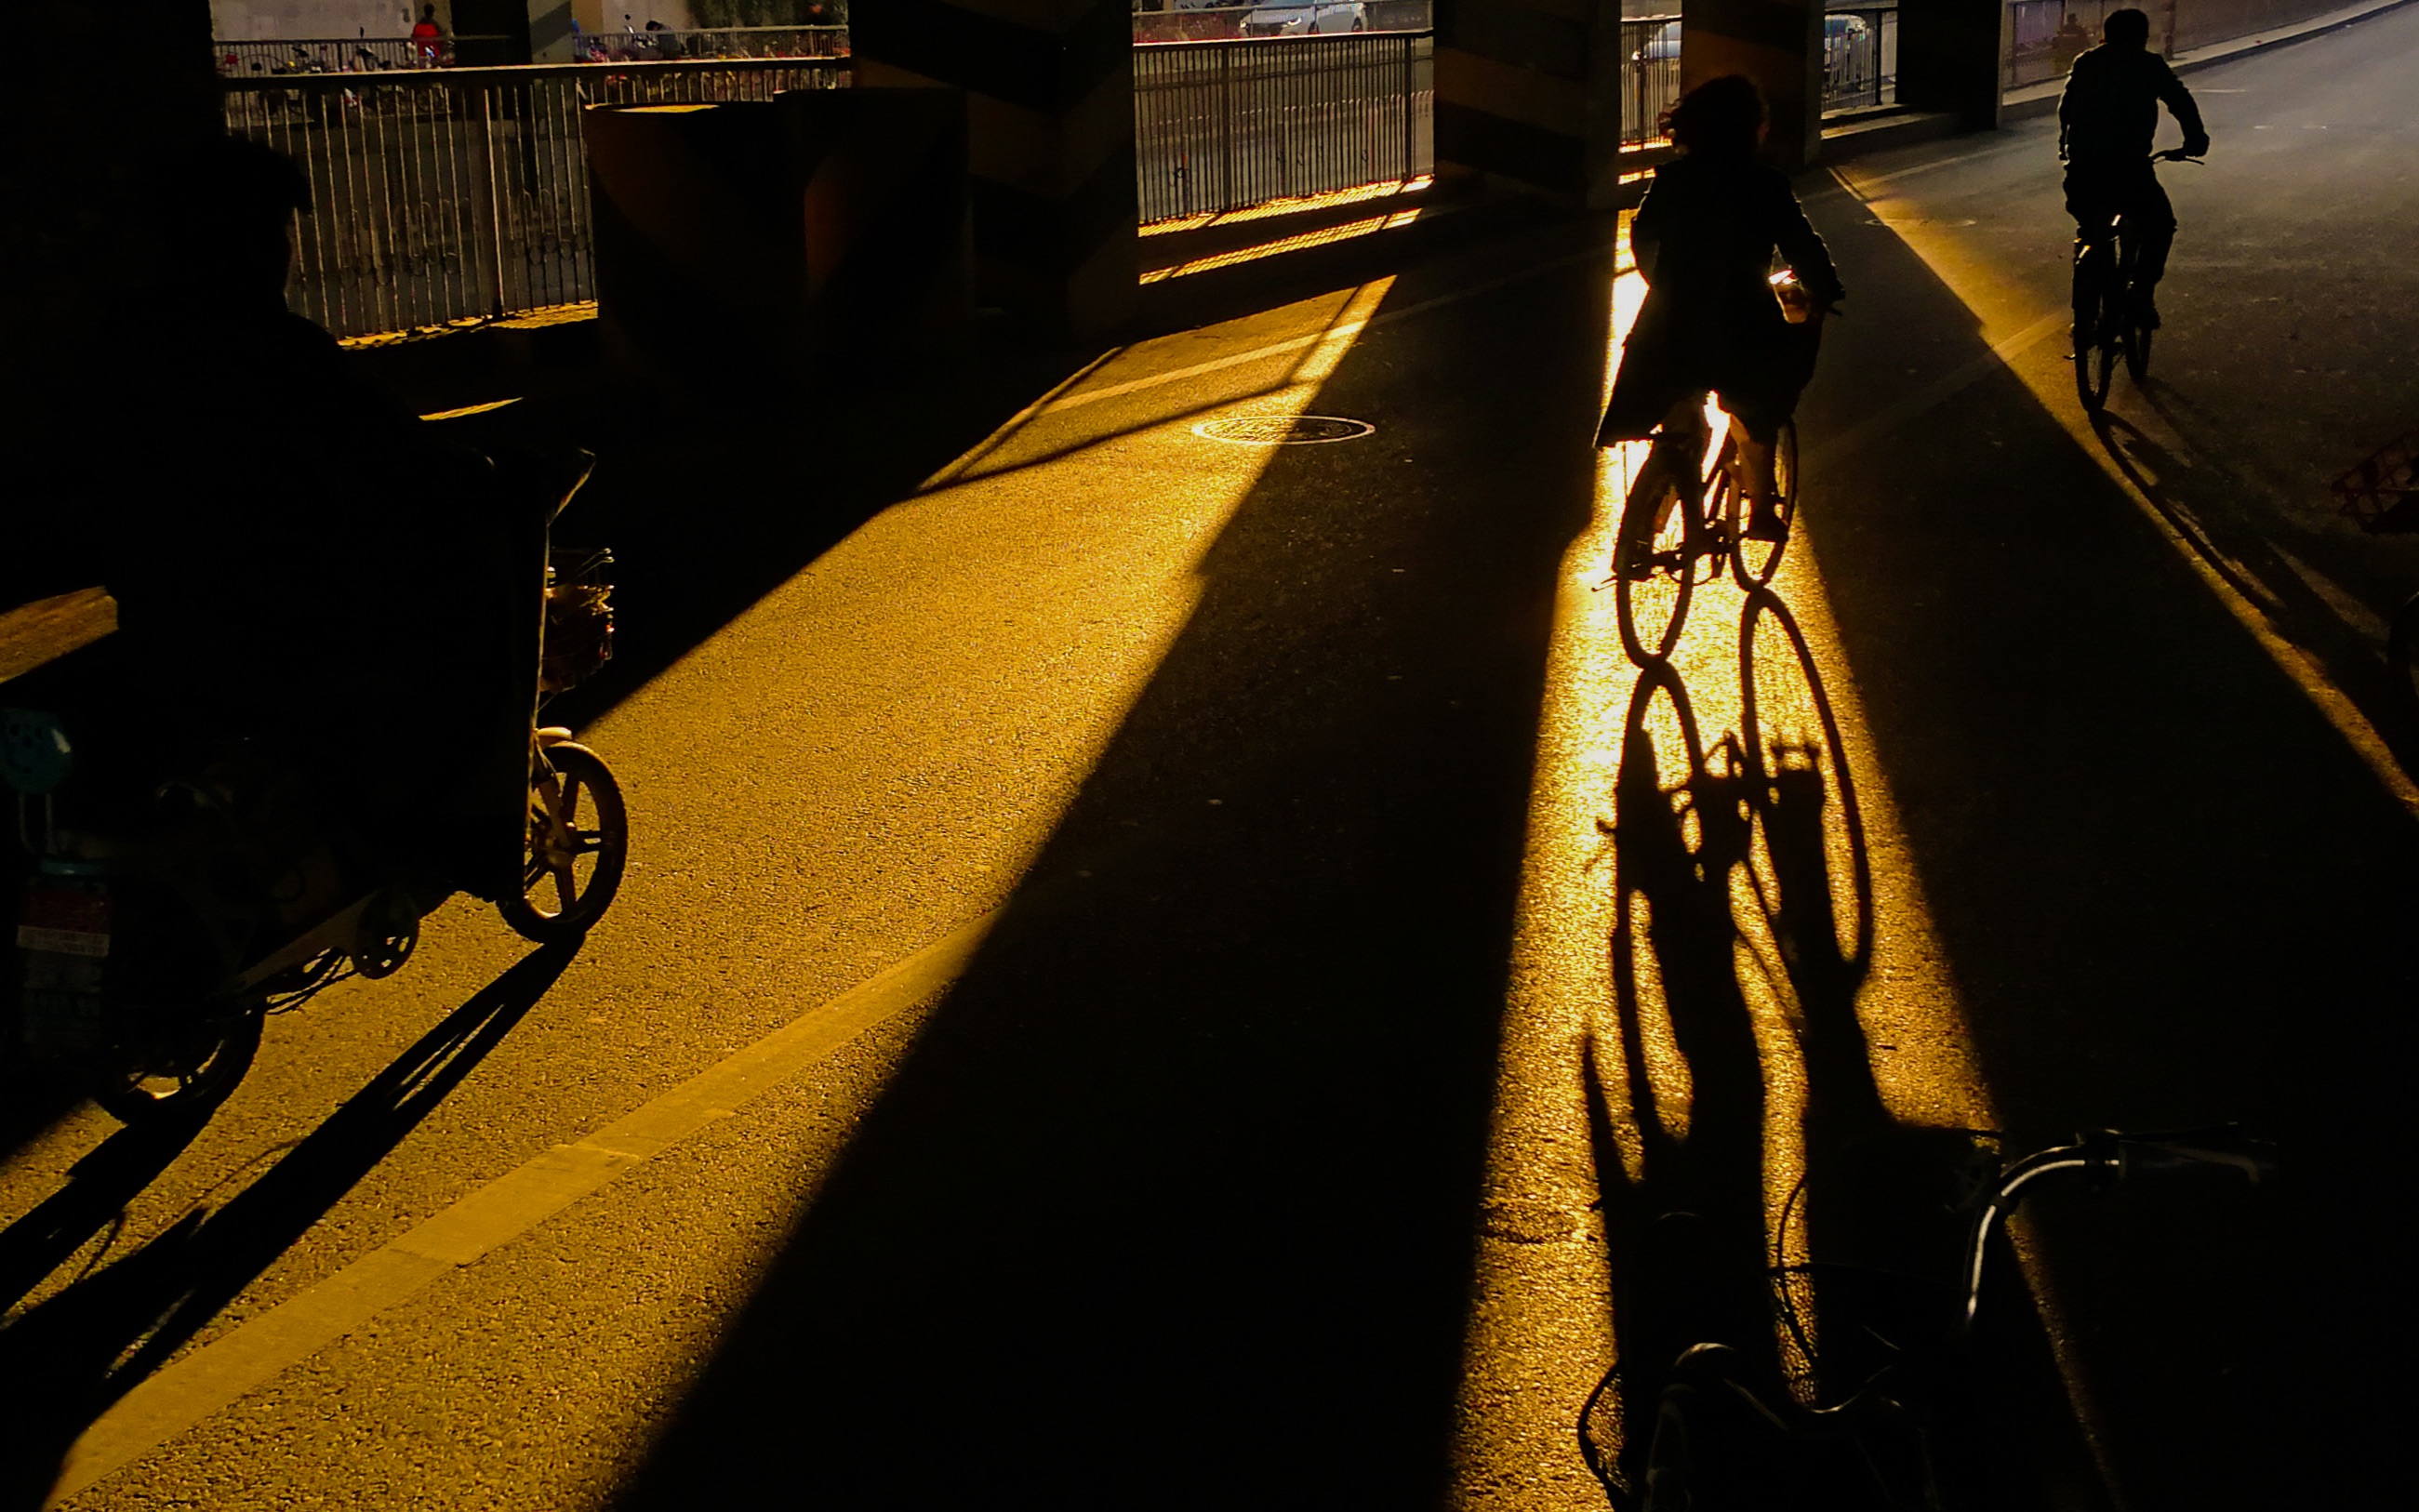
(2176, 155)
(2105, 1156)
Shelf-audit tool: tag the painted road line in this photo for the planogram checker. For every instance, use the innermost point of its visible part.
(1338, 333)
(212, 1377)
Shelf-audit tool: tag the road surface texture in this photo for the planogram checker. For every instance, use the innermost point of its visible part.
(1158, 972)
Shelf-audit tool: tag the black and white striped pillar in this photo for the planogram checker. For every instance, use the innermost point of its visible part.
(1049, 87)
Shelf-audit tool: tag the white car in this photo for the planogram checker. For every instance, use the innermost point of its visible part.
(1306, 18)
(1841, 35)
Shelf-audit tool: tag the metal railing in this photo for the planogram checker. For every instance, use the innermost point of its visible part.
(724, 42)
(2043, 47)
(460, 195)
(1219, 126)
(1860, 57)
(336, 54)
(1650, 78)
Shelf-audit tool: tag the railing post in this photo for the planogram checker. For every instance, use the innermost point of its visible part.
(495, 196)
(1410, 96)
(1225, 129)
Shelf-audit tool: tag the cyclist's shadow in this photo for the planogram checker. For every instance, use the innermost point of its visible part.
(1743, 907)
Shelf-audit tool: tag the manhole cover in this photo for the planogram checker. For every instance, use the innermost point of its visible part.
(1282, 430)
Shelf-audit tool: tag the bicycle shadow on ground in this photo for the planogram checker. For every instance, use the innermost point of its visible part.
(1744, 906)
(2272, 566)
(66, 1360)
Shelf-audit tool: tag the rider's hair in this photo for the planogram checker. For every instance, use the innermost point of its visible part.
(1719, 116)
(2128, 26)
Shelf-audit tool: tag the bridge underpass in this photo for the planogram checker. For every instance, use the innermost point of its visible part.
(1190, 861)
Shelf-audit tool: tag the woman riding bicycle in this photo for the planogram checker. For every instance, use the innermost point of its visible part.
(1703, 241)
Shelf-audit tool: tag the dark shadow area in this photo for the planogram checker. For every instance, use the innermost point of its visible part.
(2169, 891)
(66, 1360)
(2199, 495)
(1862, 1276)
(1173, 1201)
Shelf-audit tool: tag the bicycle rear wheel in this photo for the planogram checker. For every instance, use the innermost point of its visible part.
(1653, 563)
(2138, 353)
(1753, 562)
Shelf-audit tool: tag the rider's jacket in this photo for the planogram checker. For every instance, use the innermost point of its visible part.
(2110, 109)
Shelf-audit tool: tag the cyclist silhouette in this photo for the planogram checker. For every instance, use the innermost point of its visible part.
(1704, 239)
(2106, 120)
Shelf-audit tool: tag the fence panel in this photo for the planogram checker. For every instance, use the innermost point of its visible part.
(1219, 126)
(462, 194)
(1860, 57)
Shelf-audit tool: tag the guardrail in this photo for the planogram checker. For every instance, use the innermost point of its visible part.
(1860, 57)
(1219, 126)
(337, 55)
(723, 42)
(1650, 78)
(2042, 47)
(442, 197)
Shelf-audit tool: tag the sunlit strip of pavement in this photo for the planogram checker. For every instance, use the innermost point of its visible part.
(1541, 1335)
(204, 1382)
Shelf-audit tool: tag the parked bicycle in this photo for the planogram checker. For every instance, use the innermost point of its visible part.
(2110, 310)
(1685, 508)
(1721, 1439)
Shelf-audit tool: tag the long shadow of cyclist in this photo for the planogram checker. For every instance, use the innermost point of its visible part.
(66, 1361)
(1745, 904)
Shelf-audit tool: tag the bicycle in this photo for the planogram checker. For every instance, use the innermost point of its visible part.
(2108, 323)
(1721, 1440)
(1679, 511)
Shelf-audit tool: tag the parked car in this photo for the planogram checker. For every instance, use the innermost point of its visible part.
(1306, 18)
(1842, 34)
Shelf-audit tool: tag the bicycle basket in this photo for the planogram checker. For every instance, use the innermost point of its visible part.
(578, 619)
(2381, 492)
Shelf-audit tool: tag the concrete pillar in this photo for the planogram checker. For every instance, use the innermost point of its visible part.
(1529, 91)
(1050, 113)
(1778, 43)
(1952, 57)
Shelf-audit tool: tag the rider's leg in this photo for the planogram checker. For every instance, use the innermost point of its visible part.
(1756, 483)
(2150, 224)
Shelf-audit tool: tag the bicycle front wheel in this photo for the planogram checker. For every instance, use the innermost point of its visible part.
(1753, 562)
(1653, 564)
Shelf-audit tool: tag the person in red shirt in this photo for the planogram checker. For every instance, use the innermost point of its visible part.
(429, 37)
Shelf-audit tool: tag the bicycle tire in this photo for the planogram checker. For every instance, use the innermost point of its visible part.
(1753, 562)
(556, 841)
(2094, 362)
(2138, 353)
(1653, 564)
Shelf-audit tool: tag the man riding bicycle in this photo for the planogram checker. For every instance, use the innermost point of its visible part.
(2106, 120)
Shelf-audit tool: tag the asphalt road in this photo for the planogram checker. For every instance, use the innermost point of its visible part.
(1158, 972)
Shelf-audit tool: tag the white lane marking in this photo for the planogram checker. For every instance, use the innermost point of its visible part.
(1344, 331)
(212, 1377)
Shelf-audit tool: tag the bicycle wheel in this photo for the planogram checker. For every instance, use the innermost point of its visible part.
(2138, 352)
(575, 851)
(2094, 360)
(1653, 563)
(186, 1074)
(1753, 562)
